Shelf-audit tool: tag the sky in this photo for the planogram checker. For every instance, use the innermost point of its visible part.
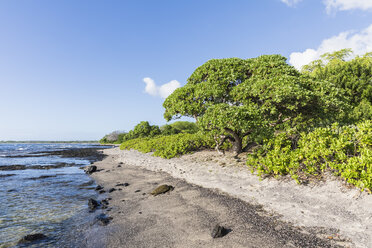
(79, 69)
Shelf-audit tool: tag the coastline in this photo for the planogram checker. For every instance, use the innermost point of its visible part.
(208, 184)
(44, 193)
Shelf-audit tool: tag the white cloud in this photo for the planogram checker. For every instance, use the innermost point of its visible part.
(359, 42)
(291, 2)
(151, 87)
(163, 90)
(347, 5)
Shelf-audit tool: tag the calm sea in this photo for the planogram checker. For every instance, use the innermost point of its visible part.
(39, 200)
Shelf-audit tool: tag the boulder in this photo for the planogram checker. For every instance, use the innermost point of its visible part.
(92, 204)
(32, 238)
(99, 187)
(219, 231)
(162, 189)
(91, 169)
(105, 202)
(122, 184)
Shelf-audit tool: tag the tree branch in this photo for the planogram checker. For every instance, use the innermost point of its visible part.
(279, 121)
(220, 143)
(249, 146)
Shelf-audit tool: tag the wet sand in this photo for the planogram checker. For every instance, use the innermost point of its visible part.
(186, 216)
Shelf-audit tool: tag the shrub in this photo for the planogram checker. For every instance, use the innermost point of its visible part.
(171, 145)
(345, 151)
(113, 137)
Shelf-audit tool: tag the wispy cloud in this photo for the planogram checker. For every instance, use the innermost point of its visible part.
(336, 5)
(163, 90)
(360, 42)
(291, 3)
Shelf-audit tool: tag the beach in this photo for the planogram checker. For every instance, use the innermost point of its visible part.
(212, 189)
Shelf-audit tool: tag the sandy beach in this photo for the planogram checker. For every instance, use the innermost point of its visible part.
(212, 189)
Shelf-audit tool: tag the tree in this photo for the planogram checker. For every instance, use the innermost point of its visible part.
(179, 127)
(142, 130)
(354, 77)
(236, 99)
(169, 130)
(112, 137)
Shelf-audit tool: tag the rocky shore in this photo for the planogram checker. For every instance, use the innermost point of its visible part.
(133, 211)
(43, 194)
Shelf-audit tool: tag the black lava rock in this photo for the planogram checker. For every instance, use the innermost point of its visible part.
(93, 204)
(31, 238)
(91, 169)
(111, 190)
(7, 175)
(99, 187)
(103, 219)
(102, 191)
(219, 231)
(122, 184)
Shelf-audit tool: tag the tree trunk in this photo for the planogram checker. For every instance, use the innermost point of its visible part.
(222, 140)
(237, 142)
(218, 144)
(249, 146)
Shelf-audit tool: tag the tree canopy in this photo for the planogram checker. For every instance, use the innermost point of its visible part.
(354, 77)
(235, 99)
(143, 129)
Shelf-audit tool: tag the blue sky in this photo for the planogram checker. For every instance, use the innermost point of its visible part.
(75, 70)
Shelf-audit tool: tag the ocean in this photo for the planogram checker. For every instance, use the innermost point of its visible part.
(43, 189)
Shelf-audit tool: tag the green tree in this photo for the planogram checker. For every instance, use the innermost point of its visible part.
(236, 99)
(354, 77)
(169, 130)
(185, 126)
(142, 130)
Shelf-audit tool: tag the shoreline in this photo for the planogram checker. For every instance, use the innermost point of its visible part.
(329, 211)
(44, 194)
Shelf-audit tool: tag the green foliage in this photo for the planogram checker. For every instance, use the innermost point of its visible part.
(142, 130)
(342, 55)
(121, 137)
(179, 127)
(234, 98)
(171, 145)
(345, 151)
(169, 130)
(185, 126)
(210, 82)
(115, 137)
(353, 78)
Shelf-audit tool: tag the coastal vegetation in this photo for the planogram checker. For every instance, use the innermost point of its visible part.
(300, 123)
(47, 141)
(145, 130)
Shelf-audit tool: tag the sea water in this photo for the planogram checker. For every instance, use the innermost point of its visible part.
(49, 201)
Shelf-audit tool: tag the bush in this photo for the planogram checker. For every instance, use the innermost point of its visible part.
(115, 137)
(345, 151)
(185, 126)
(169, 130)
(179, 127)
(171, 145)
